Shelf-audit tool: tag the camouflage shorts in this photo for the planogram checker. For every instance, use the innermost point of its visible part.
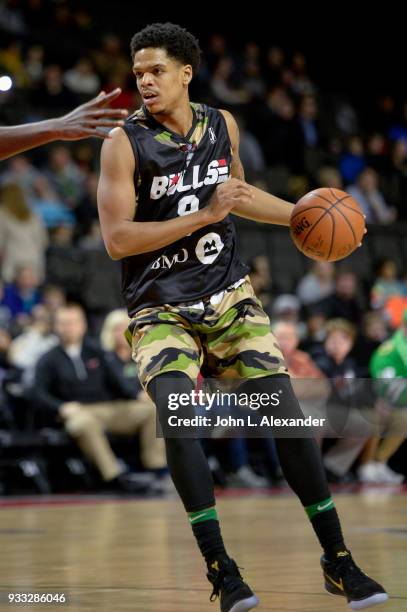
(229, 339)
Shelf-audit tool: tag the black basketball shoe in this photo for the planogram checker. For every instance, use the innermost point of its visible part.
(235, 595)
(344, 577)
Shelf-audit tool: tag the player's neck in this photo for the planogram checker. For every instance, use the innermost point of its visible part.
(179, 120)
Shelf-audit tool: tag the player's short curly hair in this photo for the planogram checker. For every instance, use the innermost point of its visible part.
(178, 42)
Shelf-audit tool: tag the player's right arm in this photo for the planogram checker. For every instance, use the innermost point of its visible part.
(122, 235)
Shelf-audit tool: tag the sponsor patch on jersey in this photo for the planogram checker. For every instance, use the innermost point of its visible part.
(208, 248)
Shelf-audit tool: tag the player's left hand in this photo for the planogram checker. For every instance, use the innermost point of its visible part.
(90, 118)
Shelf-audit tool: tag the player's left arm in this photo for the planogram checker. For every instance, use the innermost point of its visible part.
(264, 208)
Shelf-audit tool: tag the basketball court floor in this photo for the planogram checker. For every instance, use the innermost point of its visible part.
(110, 555)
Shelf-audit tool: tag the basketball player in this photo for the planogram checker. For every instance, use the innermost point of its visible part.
(169, 180)
(86, 120)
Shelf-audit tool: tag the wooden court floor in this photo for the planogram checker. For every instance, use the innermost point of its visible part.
(115, 556)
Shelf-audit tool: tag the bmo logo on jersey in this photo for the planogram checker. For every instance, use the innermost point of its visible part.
(208, 248)
(165, 262)
(217, 172)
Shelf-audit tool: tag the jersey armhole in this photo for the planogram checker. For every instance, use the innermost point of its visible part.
(133, 145)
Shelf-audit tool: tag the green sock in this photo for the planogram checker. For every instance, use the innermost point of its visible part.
(203, 515)
(322, 506)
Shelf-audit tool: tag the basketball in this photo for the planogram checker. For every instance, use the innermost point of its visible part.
(327, 224)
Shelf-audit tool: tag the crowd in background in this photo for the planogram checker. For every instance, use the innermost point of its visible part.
(294, 137)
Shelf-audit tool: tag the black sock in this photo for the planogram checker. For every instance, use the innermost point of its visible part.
(209, 540)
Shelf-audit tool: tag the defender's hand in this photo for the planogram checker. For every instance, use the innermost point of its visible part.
(90, 118)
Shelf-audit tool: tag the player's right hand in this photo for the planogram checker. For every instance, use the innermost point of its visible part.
(232, 193)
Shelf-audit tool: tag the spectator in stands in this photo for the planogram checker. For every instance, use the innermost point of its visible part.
(343, 303)
(299, 364)
(34, 64)
(113, 340)
(342, 372)
(5, 340)
(51, 96)
(374, 331)
(110, 58)
(317, 284)
(23, 294)
(315, 335)
(65, 176)
(370, 199)
(389, 367)
(260, 277)
(82, 80)
(77, 382)
(309, 382)
(308, 114)
(395, 179)
(5, 312)
(251, 154)
(53, 298)
(328, 176)
(47, 205)
(23, 173)
(222, 86)
(287, 308)
(23, 238)
(386, 284)
(65, 265)
(353, 161)
(37, 338)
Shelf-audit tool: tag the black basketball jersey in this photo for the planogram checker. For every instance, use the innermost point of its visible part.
(176, 176)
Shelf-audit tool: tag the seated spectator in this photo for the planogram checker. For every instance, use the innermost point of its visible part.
(222, 85)
(65, 261)
(328, 176)
(82, 80)
(374, 331)
(260, 277)
(386, 284)
(353, 161)
(343, 372)
(5, 312)
(23, 294)
(315, 334)
(395, 179)
(299, 364)
(287, 307)
(53, 297)
(80, 384)
(343, 303)
(36, 339)
(370, 199)
(47, 205)
(317, 284)
(389, 367)
(23, 238)
(5, 340)
(65, 176)
(22, 172)
(51, 96)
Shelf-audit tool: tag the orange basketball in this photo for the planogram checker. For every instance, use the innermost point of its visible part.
(327, 224)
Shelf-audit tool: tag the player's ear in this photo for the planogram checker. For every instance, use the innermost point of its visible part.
(186, 74)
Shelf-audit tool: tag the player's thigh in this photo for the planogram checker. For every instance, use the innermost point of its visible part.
(247, 348)
(160, 348)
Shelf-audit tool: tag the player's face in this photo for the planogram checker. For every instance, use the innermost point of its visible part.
(161, 80)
